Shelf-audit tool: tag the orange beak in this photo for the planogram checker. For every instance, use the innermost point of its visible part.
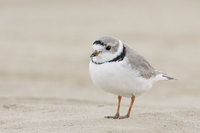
(95, 53)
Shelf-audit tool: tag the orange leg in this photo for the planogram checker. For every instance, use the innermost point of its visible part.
(118, 107)
(129, 110)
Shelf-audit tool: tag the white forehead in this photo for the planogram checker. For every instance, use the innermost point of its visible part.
(97, 47)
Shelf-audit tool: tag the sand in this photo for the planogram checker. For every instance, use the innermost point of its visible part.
(44, 55)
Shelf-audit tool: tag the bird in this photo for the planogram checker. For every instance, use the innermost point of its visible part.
(120, 70)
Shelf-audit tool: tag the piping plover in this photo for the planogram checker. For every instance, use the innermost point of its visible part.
(120, 70)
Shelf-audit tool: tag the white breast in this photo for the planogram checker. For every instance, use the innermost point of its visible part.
(118, 78)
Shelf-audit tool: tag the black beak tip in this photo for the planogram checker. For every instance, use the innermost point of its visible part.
(92, 55)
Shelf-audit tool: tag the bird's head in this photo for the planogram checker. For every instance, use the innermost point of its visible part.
(105, 49)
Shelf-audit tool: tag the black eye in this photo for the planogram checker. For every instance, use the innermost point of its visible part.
(108, 47)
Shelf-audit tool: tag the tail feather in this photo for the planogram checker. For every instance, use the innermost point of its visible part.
(169, 78)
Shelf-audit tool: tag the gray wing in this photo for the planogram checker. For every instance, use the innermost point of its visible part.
(139, 63)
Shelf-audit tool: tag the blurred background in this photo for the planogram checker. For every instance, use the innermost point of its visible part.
(45, 46)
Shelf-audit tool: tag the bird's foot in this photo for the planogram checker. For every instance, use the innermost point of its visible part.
(113, 117)
(117, 117)
(124, 117)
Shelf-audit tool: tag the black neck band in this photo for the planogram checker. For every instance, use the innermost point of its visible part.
(118, 58)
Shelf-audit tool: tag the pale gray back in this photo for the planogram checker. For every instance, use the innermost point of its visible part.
(140, 64)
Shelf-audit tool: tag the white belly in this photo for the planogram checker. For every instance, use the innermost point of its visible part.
(119, 79)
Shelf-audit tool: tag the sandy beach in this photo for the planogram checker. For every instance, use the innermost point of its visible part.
(45, 46)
